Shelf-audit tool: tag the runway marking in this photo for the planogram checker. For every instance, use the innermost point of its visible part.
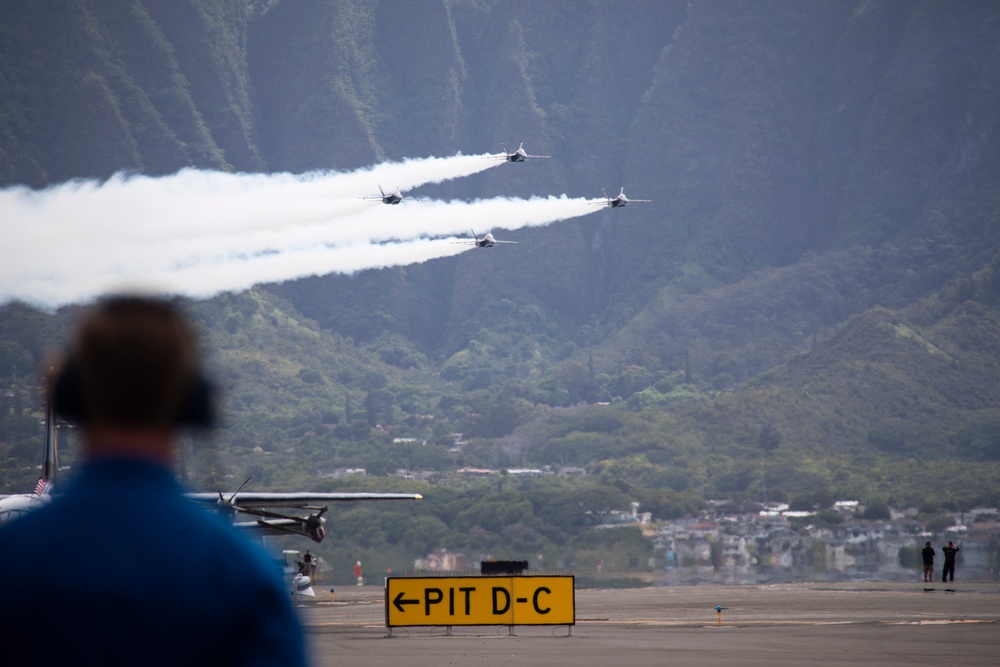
(771, 623)
(943, 621)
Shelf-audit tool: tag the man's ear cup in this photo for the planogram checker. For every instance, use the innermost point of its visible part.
(196, 408)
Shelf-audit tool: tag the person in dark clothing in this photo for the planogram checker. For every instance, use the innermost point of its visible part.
(309, 563)
(202, 594)
(949, 561)
(928, 554)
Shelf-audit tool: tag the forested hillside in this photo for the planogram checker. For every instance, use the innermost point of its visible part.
(808, 308)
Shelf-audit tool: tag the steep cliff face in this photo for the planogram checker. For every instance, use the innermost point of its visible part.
(775, 129)
(92, 88)
(315, 76)
(762, 131)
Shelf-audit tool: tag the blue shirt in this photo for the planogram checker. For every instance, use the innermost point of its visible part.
(123, 569)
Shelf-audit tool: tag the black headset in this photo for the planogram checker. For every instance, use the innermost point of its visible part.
(195, 410)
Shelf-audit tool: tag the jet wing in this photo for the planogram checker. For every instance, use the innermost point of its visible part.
(265, 526)
(299, 499)
(303, 527)
(277, 527)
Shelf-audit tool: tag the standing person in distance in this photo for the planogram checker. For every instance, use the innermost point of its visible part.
(949, 552)
(928, 555)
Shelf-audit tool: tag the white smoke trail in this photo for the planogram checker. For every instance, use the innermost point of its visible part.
(126, 206)
(200, 233)
(206, 280)
(419, 218)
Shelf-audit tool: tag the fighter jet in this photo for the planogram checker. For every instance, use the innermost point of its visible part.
(517, 156)
(620, 200)
(486, 242)
(391, 198)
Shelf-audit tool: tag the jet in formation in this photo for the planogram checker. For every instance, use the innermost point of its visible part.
(486, 241)
(517, 156)
(620, 200)
(391, 198)
(273, 513)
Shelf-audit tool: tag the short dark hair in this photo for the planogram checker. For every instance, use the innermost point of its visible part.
(135, 358)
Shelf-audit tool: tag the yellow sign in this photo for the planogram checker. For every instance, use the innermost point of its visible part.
(519, 600)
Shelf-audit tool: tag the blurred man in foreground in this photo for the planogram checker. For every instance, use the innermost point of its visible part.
(134, 573)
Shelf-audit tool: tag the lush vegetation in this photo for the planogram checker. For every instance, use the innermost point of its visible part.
(808, 311)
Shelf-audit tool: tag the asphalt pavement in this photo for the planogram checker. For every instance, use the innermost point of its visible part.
(775, 625)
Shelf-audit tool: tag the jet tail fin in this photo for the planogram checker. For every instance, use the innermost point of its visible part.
(50, 457)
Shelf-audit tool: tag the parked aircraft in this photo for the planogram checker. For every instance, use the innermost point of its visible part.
(517, 156)
(273, 511)
(486, 242)
(270, 522)
(620, 200)
(15, 506)
(391, 198)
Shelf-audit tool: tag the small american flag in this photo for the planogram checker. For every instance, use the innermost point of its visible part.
(41, 487)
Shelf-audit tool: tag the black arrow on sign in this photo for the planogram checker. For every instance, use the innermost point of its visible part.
(399, 602)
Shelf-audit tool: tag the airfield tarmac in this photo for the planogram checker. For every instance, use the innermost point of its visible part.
(775, 625)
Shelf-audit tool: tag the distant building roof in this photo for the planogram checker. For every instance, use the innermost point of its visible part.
(477, 472)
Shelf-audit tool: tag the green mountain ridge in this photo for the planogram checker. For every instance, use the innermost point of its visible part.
(811, 299)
